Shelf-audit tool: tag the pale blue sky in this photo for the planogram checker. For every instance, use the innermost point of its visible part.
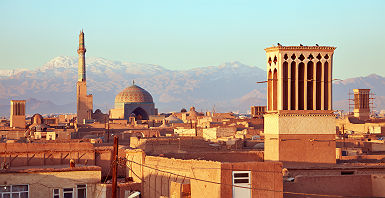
(185, 34)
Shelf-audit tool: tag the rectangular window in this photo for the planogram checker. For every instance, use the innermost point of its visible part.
(56, 193)
(241, 184)
(17, 191)
(347, 172)
(81, 190)
(68, 193)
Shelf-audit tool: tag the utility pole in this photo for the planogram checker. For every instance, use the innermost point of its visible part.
(108, 132)
(115, 168)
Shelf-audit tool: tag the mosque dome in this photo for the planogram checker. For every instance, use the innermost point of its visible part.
(134, 94)
(173, 119)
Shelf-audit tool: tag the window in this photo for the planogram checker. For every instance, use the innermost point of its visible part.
(81, 190)
(241, 184)
(241, 177)
(347, 172)
(19, 191)
(56, 193)
(68, 192)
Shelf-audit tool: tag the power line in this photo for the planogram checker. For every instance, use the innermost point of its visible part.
(213, 182)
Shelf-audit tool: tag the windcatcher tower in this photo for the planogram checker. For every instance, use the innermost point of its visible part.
(84, 101)
(17, 117)
(362, 104)
(299, 123)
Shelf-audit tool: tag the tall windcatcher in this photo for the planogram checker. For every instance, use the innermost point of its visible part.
(299, 122)
(84, 101)
(362, 103)
(17, 117)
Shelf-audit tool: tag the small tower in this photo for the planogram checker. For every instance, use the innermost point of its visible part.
(17, 117)
(84, 101)
(299, 122)
(361, 104)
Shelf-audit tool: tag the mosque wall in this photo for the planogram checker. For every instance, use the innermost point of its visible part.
(130, 108)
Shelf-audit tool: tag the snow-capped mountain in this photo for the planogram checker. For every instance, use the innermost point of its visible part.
(204, 87)
(228, 87)
(10, 72)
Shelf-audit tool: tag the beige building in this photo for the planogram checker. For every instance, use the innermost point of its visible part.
(84, 101)
(17, 117)
(218, 132)
(227, 176)
(299, 123)
(53, 181)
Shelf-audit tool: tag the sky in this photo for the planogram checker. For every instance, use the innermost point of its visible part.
(181, 35)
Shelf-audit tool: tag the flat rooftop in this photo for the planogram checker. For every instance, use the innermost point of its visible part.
(50, 168)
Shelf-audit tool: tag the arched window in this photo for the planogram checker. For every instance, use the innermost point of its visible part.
(292, 89)
(269, 90)
(326, 86)
(310, 74)
(285, 85)
(318, 85)
(301, 90)
(275, 89)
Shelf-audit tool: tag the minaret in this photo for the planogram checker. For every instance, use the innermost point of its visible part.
(82, 58)
(84, 101)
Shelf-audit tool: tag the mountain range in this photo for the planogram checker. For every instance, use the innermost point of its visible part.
(228, 87)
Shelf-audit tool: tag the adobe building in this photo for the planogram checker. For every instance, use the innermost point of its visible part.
(361, 104)
(17, 117)
(218, 175)
(299, 123)
(133, 101)
(51, 181)
(84, 101)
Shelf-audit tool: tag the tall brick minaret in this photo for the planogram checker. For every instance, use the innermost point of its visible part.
(84, 101)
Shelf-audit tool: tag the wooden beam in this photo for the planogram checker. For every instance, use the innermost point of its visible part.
(29, 158)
